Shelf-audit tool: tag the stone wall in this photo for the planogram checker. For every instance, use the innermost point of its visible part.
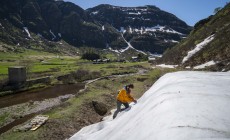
(43, 80)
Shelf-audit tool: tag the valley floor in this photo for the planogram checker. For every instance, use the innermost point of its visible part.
(72, 113)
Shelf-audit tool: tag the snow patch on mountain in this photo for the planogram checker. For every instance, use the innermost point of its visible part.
(179, 106)
(198, 47)
(210, 63)
(27, 31)
(95, 13)
(132, 13)
(173, 41)
(130, 46)
(157, 28)
(166, 66)
(54, 36)
(122, 30)
(116, 51)
(59, 34)
(1, 25)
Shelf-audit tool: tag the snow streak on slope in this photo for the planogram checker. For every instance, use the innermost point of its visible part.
(27, 31)
(54, 36)
(198, 47)
(210, 63)
(179, 106)
(130, 46)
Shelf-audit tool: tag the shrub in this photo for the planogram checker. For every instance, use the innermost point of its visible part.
(90, 56)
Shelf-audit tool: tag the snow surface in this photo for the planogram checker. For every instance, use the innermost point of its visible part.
(157, 28)
(132, 13)
(166, 66)
(173, 41)
(116, 51)
(122, 30)
(162, 29)
(179, 106)
(54, 36)
(59, 34)
(96, 12)
(27, 31)
(156, 55)
(130, 46)
(198, 47)
(210, 63)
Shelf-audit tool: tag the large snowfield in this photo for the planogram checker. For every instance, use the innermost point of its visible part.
(179, 106)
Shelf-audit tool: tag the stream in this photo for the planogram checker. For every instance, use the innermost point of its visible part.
(31, 96)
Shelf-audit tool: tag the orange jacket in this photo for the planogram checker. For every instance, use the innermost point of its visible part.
(124, 97)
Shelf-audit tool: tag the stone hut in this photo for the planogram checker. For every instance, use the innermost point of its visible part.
(17, 74)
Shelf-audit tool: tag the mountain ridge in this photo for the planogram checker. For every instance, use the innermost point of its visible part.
(59, 20)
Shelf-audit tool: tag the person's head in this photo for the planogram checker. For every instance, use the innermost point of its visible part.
(130, 86)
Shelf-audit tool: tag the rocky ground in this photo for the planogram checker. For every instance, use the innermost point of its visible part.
(86, 115)
(18, 111)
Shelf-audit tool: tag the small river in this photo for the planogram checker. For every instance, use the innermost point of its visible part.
(47, 93)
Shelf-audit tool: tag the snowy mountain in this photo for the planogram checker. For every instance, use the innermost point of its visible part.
(146, 28)
(179, 106)
(207, 46)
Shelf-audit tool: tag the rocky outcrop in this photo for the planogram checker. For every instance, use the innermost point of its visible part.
(100, 108)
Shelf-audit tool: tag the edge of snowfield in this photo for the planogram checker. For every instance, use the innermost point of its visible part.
(179, 106)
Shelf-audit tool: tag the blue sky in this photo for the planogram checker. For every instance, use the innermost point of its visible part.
(190, 11)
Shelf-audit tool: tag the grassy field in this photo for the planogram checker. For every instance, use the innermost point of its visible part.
(37, 62)
(53, 64)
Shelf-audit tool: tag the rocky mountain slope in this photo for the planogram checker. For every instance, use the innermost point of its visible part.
(49, 19)
(208, 44)
(147, 28)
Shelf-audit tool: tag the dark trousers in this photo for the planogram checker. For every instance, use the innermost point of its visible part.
(119, 108)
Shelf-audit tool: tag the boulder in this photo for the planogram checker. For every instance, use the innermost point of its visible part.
(100, 108)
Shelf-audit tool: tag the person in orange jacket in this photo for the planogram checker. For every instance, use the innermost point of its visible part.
(124, 98)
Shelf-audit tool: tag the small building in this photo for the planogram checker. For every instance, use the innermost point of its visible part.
(17, 74)
(151, 58)
(135, 58)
